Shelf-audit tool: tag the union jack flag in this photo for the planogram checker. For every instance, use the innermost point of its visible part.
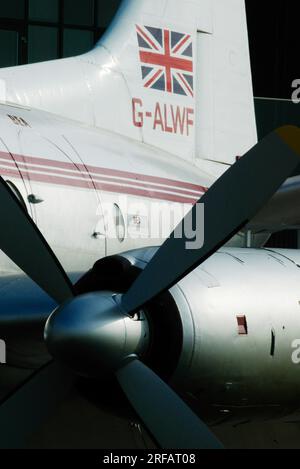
(166, 60)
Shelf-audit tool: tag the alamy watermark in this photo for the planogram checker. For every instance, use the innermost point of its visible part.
(296, 353)
(152, 220)
(296, 92)
(2, 352)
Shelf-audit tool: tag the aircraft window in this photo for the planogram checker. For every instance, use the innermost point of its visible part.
(17, 194)
(120, 223)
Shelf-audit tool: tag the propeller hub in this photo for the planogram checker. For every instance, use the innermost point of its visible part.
(93, 336)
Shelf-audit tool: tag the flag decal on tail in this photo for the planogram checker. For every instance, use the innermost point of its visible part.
(166, 60)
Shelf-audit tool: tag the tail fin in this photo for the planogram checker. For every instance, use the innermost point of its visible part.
(174, 74)
(183, 78)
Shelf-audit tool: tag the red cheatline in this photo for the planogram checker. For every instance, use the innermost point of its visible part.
(49, 179)
(100, 170)
(79, 175)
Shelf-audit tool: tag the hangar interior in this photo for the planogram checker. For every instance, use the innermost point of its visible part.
(35, 30)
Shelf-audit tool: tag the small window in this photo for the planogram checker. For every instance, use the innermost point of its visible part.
(120, 223)
(17, 193)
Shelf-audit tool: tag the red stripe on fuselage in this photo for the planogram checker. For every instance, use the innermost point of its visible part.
(45, 178)
(103, 171)
(77, 175)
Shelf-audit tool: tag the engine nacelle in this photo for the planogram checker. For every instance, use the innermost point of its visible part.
(226, 335)
(240, 312)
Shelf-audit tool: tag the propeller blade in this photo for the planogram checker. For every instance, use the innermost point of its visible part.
(24, 244)
(165, 415)
(229, 205)
(28, 407)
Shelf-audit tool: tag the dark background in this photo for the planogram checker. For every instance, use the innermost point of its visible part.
(36, 30)
(274, 37)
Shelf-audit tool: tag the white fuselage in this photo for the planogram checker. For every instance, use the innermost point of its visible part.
(93, 193)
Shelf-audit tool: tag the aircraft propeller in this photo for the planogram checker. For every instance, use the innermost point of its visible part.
(87, 332)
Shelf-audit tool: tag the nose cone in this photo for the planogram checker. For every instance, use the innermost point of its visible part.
(91, 335)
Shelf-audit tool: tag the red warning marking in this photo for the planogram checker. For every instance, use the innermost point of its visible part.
(242, 325)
